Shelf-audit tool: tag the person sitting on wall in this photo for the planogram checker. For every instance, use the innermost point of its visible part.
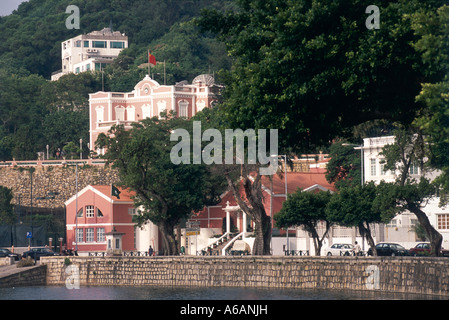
(356, 250)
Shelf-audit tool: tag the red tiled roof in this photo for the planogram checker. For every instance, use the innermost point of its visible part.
(295, 180)
(125, 194)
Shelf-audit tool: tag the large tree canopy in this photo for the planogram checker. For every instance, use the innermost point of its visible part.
(306, 209)
(313, 70)
(168, 192)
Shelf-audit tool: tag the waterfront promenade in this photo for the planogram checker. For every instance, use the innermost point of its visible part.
(405, 275)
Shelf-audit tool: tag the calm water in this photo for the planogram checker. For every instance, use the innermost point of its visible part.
(183, 293)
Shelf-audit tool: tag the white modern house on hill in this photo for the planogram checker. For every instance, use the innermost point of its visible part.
(90, 52)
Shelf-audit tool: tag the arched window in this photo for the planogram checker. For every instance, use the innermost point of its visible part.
(183, 108)
(161, 106)
(200, 105)
(100, 113)
(146, 111)
(120, 113)
(131, 113)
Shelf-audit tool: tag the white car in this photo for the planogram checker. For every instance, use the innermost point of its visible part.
(340, 249)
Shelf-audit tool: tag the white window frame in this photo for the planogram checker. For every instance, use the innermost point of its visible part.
(79, 235)
(373, 165)
(147, 111)
(183, 108)
(90, 235)
(131, 113)
(90, 211)
(100, 235)
(100, 113)
(443, 221)
(120, 113)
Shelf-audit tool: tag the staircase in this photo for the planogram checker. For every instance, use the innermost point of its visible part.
(215, 249)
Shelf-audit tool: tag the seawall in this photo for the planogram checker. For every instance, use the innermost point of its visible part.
(11, 276)
(383, 274)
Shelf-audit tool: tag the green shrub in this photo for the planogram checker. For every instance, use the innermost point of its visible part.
(28, 262)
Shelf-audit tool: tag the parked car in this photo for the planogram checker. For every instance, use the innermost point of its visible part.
(389, 249)
(340, 249)
(8, 253)
(423, 249)
(36, 253)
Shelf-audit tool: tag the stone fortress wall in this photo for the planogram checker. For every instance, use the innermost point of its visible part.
(52, 176)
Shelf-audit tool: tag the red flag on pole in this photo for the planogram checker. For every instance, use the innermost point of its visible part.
(151, 59)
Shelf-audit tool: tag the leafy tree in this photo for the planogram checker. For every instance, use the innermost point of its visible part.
(410, 149)
(307, 209)
(433, 29)
(32, 34)
(313, 70)
(66, 126)
(167, 192)
(356, 206)
(344, 166)
(245, 183)
(6, 208)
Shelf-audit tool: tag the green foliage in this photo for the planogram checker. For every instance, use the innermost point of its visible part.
(168, 193)
(303, 208)
(7, 215)
(344, 166)
(355, 205)
(32, 35)
(36, 112)
(28, 262)
(306, 209)
(433, 29)
(312, 69)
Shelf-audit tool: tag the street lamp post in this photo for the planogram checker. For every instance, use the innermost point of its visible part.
(285, 187)
(361, 172)
(76, 207)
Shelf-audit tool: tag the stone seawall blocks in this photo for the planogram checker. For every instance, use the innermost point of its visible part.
(28, 276)
(392, 274)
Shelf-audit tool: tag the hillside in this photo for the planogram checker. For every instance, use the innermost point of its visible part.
(35, 112)
(32, 35)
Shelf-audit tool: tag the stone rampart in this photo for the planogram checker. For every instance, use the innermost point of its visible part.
(387, 274)
(52, 177)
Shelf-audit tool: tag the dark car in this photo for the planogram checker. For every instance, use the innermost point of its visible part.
(389, 249)
(423, 249)
(8, 253)
(36, 253)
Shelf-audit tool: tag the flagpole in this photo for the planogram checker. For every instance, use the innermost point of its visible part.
(148, 56)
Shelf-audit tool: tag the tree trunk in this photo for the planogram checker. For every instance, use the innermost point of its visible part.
(168, 240)
(262, 235)
(366, 233)
(253, 206)
(434, 236)
(317, 241)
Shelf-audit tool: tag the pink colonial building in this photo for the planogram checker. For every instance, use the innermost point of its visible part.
(148, 99)
(93, 213)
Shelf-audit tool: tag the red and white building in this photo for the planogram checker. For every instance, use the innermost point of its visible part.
(274, 194)
(149, 99)
(99, 213)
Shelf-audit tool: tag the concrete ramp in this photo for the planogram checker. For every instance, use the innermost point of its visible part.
(11, 276)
